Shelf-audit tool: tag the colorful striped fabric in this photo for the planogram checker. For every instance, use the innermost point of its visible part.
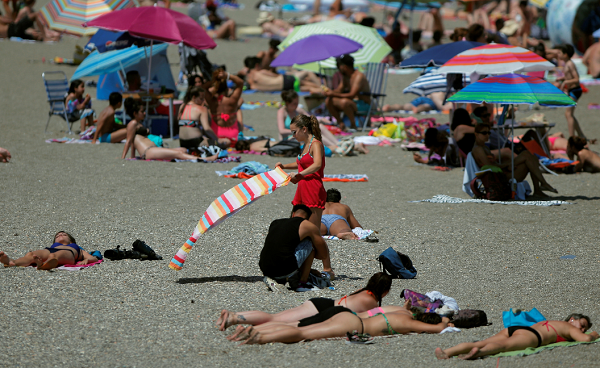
(228, 205)
(513, 89)
(68, 15)
(496, 59)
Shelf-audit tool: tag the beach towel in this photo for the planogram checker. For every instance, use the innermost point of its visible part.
(442, 198)
(217, 161)
(70, 140)
(530, 351)
(230, 203)
(78, 267)
(252, 91)
(360, 232)
(347, 178)
(253, 105)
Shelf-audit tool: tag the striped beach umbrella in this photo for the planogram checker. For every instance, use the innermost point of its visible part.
(374, 46)
(230, 203)
(68, 15)
(430, 83)
(496, 59)
(513, 89)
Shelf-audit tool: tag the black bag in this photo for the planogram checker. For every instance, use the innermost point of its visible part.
(469, 318)
(285, 149)
(397, 264)
(492, 186)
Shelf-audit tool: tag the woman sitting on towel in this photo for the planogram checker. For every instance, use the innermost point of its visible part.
(64, 251)
(194, 126)
(524, 163)
(359, 301)
(147, 149)
(522, 337)
(338, 321)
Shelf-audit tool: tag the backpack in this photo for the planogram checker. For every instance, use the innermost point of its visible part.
(397, 264)
(469, 318)
(492, 186)
(285, 149)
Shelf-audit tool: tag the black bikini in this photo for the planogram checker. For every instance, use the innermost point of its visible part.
(512, 330)
(322, 303)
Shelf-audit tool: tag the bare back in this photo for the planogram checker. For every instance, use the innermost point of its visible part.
(571, 73)
(358, 79)
(343, 210)
(106, 121)
(261, 80)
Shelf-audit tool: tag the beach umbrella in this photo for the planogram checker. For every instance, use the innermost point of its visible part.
(105, 40)
(596, 34)
(438, 55)
(68, 15)
(374, 46)
(539, 3)
(229, 204)
(513, 89)
(315, 48)
(496, 59)
(430, 83)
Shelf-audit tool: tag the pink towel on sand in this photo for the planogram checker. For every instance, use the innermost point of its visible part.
(78, 267)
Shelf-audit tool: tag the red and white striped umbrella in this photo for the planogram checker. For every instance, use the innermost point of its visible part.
(495, 59)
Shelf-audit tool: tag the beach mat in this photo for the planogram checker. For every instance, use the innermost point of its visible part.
(441, 198)
(530, 351)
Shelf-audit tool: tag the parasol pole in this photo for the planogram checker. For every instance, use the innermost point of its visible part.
(410, 29)
(513, 184)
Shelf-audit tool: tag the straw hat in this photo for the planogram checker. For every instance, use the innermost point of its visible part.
(510, 28)
(264, 17)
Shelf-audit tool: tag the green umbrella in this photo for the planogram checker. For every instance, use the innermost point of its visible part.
(374, 46)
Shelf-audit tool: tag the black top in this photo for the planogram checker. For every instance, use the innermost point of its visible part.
(278, 256)
(466, 143)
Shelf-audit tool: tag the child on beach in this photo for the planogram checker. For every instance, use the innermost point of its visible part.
(107, 131)
(79, 107)
(570, 84)
(310, 165)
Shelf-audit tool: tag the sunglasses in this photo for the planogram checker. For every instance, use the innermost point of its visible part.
(485, 133)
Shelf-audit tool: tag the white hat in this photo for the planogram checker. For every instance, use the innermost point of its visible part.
(510, 28)
(264, 17)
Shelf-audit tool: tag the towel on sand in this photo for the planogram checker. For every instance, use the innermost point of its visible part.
(78, 267)
(530, 351)
(217, 161)
(360, 232)
(442, 198)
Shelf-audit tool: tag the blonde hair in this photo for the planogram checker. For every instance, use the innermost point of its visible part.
(310, 122)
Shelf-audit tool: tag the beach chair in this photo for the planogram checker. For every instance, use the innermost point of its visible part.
(376, 74)
(57, 86)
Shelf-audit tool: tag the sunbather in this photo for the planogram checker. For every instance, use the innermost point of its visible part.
(268, 81)
(361, 300)
(273, 27)
(433, 101)
(220, 25)
(64, 251)
(194, 126)
(4, 155)
(25, 24)
(338, 219)
(268, 56)
(79, 107)
(107, 130)
(522, 337)
(588, 161)
(525, 163)
(376, 322)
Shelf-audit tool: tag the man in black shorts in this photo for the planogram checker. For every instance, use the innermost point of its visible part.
(290, 248)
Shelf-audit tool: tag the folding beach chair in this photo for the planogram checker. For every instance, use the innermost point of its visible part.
(376, 74)
(57, 86)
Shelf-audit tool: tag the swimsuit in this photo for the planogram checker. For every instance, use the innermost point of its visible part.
(18, 29)
(512, 329)
(390, 330)
(362, 106)
(322, 303)
(575, 93)
(53, 249)
(552, 140)
(558, 337)
(291, 82)
(310, 191)
(328, 220)
(105, 138)
(325, 315)
(73, 114)
(186, 120)
(423, 101)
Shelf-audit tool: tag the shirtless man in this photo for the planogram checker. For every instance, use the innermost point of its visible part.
(267, 81)
(591, 59)
(224, 106)
(588, 161)
(268, 56)
(347, 96)
(338, 219)
(107, 131)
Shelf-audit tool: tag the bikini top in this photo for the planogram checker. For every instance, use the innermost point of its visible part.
(345, 297)
(558, 337)
(186, 115)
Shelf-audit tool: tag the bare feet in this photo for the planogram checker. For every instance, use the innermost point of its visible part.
(234, 336)
(225, 320)
(347, 236)
(361, 148)
(470, 355)
(414, 110)
(539, 194)
(548, 188)
(386, 108)
(38, 261)
(5, 260)
(439, 353)
(253, 337)
(245, 334)
(50, 264)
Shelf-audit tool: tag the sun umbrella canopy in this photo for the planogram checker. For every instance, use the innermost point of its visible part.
(316, 48)
(596, 34)
(438, 55)
(430, 83)
(113, 61)
(68, 15)
(496, 59)
(155, 23)
(374, 46)
(513, 89)
(105, 40)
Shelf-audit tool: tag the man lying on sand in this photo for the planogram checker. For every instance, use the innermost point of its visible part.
(338, 219)
(522, 337)
(267, 81)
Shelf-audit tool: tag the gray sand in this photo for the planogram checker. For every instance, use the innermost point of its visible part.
(132, 313)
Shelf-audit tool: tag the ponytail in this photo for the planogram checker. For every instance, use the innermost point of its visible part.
(315, 128)
(379, 284)
(310, 122)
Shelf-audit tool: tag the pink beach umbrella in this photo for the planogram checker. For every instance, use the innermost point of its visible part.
(155, 23)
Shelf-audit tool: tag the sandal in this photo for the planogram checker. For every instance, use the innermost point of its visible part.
(355, 338)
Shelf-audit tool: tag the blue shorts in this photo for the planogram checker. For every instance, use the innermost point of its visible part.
(362, 106)
(302, 252)
(105, 138)
(575, 93)
(423, 101)
(328, 220)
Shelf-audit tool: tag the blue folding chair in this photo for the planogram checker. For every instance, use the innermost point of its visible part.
(376, 74)
(57, 87)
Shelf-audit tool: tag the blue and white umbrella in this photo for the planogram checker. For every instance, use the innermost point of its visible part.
(430, 83)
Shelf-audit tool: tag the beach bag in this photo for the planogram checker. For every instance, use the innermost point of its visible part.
(469, 318)
(420, 301)
(522, 318)
(492, 186)
(397, 264)
(285, 149)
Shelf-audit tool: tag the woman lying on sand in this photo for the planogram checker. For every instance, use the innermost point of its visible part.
(64, 251)
(359, 301)
(337, 321)
(522, 337)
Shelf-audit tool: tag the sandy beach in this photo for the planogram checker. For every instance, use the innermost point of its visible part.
(131, 313)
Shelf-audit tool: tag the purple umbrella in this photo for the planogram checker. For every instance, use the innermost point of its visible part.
(316, 48)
